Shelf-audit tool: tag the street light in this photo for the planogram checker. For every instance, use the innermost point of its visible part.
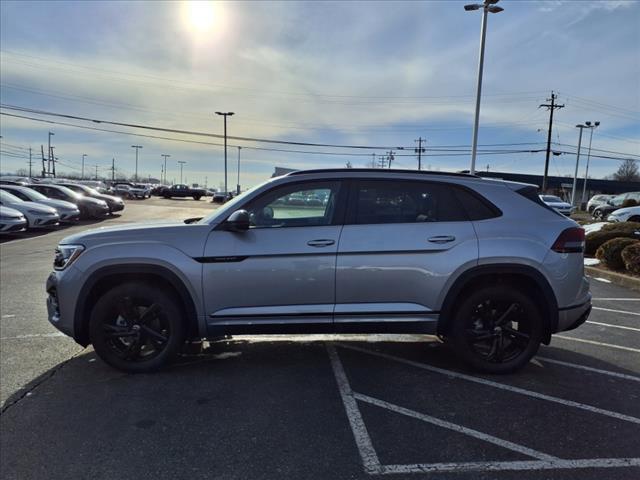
(137, 147)
(575, 174)
(586, 172)
(489, 6)
(238, 185)
(181, 162)
(165, 166)
(225, 115)
(84, 155)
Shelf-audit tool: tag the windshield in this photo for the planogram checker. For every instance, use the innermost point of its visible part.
(6, 197)
(231, 205)
(32, 194)
(552, 198)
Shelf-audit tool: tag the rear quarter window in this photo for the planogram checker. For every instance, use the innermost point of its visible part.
(475, 205)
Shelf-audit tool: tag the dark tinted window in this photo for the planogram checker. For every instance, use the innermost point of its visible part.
(475, 206)
(405, 202)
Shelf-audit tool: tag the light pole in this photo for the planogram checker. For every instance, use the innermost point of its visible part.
(165, 165)
(575, 175)
(238, 184)
(181, 162)
(225, 115)
(586, 172)
(49, 155)
(137, 147)
(489, 6)
(84, 155)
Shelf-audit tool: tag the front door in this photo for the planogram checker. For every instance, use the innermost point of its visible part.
(401, 242)
(282, 270)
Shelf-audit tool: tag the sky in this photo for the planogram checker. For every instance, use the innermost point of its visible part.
(374, 74)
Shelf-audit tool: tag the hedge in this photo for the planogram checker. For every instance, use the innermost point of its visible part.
(594, 240)
(631, 257)
(610, 252)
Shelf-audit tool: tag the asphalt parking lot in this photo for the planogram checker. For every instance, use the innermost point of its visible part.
(319, 407)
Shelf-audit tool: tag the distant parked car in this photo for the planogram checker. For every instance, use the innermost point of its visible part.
(603, 211)
(11, 220)
(68, 211)
(114, 203)
(126, 190)
(7, 180)
(557, 204)
(629, 214)
(89, 207)
(596, 201)
(182, 191)
(222, 197)
(37, 216)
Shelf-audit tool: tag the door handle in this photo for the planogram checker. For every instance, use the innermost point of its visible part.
(320, 243)
(442, 239)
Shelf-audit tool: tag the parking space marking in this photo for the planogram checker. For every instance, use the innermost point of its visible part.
(510, 466)
(614, 326)
(34, 335)
(601, 344)
(501, 386)
(368, 454)
(456, 428)
(590, 369)
(618, 299)
(616, 311)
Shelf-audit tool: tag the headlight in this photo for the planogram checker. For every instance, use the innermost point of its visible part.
(66, 255)
(38, 212)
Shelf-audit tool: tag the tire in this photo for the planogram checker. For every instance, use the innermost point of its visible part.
(635, 218)
(597, 215)
(496, 329)
(136, 327)
(196, 197)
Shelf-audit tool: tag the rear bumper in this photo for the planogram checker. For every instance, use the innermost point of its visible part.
(574, 316)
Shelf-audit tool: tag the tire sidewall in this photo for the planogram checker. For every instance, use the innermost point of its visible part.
(150, 293)
(458, 338)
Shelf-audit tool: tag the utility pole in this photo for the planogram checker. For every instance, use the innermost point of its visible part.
(49, 154)
(84, 155)
(391, 157)
(420, 150)
(165, 156)
(373, 161)
(181, 162)
(586, 172)
(137, 147)
(551, 107)
(238, 184)
(113, 169)
(53, 160)
(382, 161)
(30, 163)
(225, 115)
(43, 165)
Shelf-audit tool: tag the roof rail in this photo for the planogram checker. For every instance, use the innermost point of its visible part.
(379, 170)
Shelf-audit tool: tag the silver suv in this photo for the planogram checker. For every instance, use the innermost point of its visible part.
(484, 264)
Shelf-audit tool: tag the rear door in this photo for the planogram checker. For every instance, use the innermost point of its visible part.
(401, 242)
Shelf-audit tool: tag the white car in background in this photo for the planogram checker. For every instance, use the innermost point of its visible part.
(37, 215)
(596, 201)
(557, 204)
(68, 211)
(628, 214)
(11, 220)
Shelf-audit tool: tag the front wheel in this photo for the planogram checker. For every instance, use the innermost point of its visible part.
(137, 328)
(496, 329)
(196, 197)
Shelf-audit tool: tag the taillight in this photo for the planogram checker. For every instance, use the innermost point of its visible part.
(570, 240)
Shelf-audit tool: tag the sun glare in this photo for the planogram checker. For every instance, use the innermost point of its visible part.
(201, 16)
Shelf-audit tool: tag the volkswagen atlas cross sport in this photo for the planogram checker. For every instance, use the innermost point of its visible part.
(348, 250)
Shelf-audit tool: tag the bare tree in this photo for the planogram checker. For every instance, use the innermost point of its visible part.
(628, 171)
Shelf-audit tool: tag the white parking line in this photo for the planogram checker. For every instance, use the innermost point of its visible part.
(34, 335)
(501, 386)
(363, 440)
(614, 326)
(616, 311)
(618, 299)
(590, 369)
(510, 466)
(456, 428)
(601, 344)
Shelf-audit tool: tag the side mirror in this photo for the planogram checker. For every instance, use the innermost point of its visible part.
(238, 221)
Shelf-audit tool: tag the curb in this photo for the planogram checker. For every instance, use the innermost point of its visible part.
(617, 278)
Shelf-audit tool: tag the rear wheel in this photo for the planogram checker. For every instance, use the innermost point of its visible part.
(496, 329)
(136, 327)
(196, 197)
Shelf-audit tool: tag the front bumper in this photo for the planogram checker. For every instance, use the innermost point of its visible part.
(53, 306)
(70, 216)
(12, 225)
(116, 207)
